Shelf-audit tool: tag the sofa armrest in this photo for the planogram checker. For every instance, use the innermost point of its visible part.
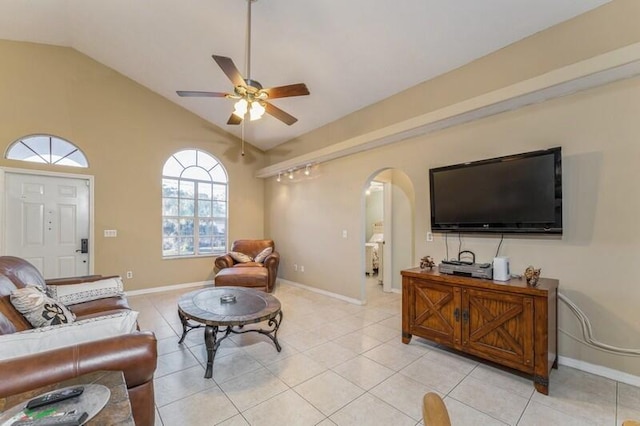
(224, 261)
(135, 354)
(78, 280)
(272, 261)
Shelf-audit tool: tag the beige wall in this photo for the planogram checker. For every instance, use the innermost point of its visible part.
(127, 132)
(595, 260)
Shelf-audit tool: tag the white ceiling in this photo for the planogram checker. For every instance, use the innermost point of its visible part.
(350, 53)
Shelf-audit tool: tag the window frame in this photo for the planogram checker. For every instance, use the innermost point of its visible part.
(48, 156)
(194, 219)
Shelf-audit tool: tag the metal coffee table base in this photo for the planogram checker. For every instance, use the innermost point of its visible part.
(211, 335)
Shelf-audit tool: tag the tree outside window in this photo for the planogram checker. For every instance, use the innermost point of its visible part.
(194, 205)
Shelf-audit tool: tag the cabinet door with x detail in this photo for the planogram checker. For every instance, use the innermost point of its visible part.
(498, 326)
(435, 312)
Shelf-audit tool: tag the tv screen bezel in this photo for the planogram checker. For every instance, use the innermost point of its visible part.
(555, 228)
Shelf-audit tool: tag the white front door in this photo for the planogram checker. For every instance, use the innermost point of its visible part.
(47, 218)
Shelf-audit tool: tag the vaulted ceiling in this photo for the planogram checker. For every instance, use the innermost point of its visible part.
(350, 54)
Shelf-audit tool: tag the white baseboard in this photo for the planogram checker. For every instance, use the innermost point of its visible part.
(323, 292)
(599, 370)
(168, 288)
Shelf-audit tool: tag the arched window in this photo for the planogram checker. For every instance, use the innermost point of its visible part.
(194, 205)
(47, 149)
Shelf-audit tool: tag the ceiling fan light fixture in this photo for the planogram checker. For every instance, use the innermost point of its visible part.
(257, 111)
(249, 94)
(240, 108)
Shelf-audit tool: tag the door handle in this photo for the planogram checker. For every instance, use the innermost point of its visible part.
(84, 246)
(465, 316)
(456, 314)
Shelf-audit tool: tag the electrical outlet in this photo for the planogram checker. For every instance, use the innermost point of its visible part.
(295, 267)
(129, 274)
(110, 233)
(429, 237)
(301, 268)
(344, 233)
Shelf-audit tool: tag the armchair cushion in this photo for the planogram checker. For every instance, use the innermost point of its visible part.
(240, 257)
(70, 294)
(248, 265)
(38, 308)
(260, 257)
(57, 336)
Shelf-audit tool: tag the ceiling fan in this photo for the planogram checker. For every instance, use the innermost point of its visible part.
(251, 97)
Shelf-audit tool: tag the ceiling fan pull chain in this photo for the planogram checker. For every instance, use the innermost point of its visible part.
(242, 138)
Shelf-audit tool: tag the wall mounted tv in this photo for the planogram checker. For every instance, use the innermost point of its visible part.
(518, 194)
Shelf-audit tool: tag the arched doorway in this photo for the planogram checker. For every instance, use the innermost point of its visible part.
(387, 224)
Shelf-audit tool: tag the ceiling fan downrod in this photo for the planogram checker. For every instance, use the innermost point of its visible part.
(248, 44)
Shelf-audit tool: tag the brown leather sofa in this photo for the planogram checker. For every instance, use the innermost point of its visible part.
(261, 276)
(135, 354)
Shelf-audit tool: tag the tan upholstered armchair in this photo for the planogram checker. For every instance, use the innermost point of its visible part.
(258, 273)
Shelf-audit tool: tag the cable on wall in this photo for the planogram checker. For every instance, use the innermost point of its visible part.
(499, 245)
(446, 244)
(587, 332)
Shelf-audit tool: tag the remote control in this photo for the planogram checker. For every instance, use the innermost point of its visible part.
(52, 397)
(72, 419)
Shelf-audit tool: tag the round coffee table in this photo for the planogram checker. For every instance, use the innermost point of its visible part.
(230, 307)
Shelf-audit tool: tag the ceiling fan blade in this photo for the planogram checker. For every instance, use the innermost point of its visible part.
(197, 94)
(229, 68)
(299, 89)
(285, 117)
(234, 120)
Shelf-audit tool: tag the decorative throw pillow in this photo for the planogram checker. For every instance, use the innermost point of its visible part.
(71, 294)
(38, 308)
(240, 257)
(260, 257)
(58, 336)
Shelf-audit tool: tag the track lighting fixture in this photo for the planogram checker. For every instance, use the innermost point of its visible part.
(290, 173)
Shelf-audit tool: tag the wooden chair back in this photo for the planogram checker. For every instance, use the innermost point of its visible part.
(434, 412)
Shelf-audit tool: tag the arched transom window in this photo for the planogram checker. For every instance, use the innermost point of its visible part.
(47, 149)
(194, 205)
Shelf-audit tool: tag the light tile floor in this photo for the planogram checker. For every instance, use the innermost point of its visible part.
(343, 364)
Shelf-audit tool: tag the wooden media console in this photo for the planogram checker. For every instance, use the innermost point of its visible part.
(508, 323)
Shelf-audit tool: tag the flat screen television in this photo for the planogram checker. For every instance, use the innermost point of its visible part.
(518, 194)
